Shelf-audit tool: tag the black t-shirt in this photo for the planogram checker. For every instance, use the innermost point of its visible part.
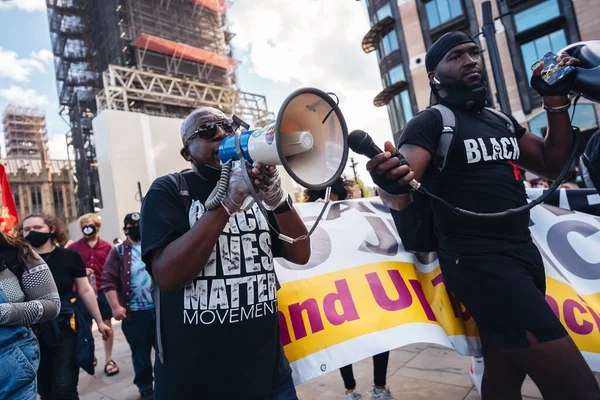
(481, 175)
(220, 333)
(66, 265)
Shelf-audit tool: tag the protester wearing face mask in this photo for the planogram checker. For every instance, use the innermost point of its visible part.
(94, 252)
(128, 289)
(540, 183)
(64, 349)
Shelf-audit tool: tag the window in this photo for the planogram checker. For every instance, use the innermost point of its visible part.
(394, 75)
(536, 49)
(36, 200)
(534, 16)
(440, 11)
(400, 111)
(382, 13)
(388, 43)
(585, 118)
(538, 27)
(17, 199)
(59, 204)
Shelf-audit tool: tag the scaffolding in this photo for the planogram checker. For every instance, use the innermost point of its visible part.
(24, 132)
(129, 89)
(159, 57)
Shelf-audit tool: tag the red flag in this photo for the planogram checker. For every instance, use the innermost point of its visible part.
(8, 216)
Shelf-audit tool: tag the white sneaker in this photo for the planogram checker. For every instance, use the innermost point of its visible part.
(381, 394)
(354, 395)
(476, 372)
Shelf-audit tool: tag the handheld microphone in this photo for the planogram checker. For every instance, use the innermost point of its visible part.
(361, 143)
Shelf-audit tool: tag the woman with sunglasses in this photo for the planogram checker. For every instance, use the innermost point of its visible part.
(63, 354)
(28, 295)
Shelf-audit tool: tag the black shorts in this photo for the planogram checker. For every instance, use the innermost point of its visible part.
(505, 294)
(105, 309)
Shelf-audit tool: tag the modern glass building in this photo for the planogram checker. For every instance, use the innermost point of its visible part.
(402, 31)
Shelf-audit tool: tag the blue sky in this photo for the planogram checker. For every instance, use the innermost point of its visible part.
(281, 45)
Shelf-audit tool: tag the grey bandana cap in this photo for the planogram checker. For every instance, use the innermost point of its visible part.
(192, 121)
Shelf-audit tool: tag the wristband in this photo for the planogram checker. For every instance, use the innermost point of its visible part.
(559, 109)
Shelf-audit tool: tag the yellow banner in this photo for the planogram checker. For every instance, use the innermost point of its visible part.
(362, 294)
(329, 309)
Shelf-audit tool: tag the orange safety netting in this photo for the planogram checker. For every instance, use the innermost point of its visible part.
(181, 50)
(215, 5)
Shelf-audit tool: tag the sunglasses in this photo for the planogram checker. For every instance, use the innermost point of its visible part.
(209, 130)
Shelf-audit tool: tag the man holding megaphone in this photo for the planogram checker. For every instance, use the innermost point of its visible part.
(469, 156)
(218, 329)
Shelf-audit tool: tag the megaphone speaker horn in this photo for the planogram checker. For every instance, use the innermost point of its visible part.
(312, 111)
(309, 140)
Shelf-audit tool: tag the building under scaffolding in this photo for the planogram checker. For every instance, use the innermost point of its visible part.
(24, 132)
(157, 57)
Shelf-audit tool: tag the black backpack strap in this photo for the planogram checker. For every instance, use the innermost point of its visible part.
(182, 187)
(446, 137)
(119, 248)
(500, 115)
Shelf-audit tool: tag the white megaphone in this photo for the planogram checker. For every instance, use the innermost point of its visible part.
(309, 140)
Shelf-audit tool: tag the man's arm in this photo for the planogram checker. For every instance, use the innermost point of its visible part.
(110, 274)
(385, 165)
(181, 260)
(547, 157)
(292, 225)
(111, 283)
(119, 312)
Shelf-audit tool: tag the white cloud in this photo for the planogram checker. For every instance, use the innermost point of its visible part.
(315, 43)
(19, 69)
(26, 5)
(57, 147)
(44, 55)
(23, 97)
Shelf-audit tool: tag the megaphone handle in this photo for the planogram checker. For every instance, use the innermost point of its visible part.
(247, 203)
(254, 196)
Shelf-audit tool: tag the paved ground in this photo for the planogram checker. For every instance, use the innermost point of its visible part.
(416, 372)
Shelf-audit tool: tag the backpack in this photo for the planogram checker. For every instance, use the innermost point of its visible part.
(591, 162)
(415, 224)
(184, 195)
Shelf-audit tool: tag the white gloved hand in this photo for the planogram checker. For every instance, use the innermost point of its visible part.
(268, 182)
(237, 190)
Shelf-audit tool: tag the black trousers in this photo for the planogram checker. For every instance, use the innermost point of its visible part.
(58, 375)
(380, 362)
(140, 331)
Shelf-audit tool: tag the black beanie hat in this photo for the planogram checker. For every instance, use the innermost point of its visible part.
(442, 46)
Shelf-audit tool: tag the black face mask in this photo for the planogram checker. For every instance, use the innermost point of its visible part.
(134, 233)
(37, 239)
(468, 98)
(89, 230)
(208, 173)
